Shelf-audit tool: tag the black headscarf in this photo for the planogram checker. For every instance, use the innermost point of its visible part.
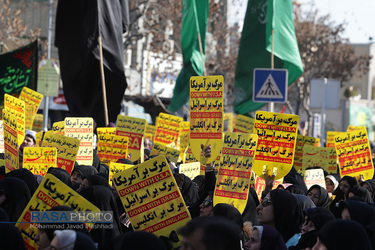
(25, 175)
(271, 239)
(304, 201)
(361, 192)
(60, 174)
(319, 216)
(17, 196)
(83, 242)
(371, 184)
(344, 235)
(97, 179)
(324, 198)
(199, 183)
(296, 189)
(294, 177)
(361, 212)
(250, 211)
(102, 197)
(351, 181)
(85, 171)
(10, 237)
(287, 213)
(229, 212)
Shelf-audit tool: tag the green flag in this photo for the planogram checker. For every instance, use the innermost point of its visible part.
(255, 48)
(194, 21)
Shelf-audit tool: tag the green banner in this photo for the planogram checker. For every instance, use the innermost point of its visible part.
(18, 69)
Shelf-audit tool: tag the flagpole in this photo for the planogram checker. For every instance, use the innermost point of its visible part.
(201, 50)
(103, 81)
(271, 104)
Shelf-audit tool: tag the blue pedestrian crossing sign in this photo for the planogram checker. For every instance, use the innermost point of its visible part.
(270, 85)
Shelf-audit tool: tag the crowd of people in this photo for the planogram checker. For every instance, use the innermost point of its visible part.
(339, 216)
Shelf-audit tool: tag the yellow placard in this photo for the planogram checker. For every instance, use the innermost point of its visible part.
(244, 124)
(189, 157)
(38, 138)
(151, 130)
(32, 101)
(170, 153)
(206, 115)
(151, 197)
(354, 154)
(184, 137)
(301, 142)
(50, 193)
(11, 155)
(259, 184)
(134, 129)
(319, 157)
(17, 108)
(115, 168)
(38, 123)
(1, 136)
(314, 177)
(228, 122)
(277, 136)
(39, 159)
(58, 128)
(191, 170)
(81, 128)
(112, 147)
(67, 149)
(106, 131)
(352, 128)
(331, 138)
(233, 181)
(167, 128)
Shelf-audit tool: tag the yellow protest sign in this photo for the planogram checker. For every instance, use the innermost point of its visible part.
(314, 177)
(112, 147)
(39, 159)
(184, 137)
(67, 149)
(277, 136)
(38, 123)
(106, 131)
(82, 129)
(331, 138)
(189, 157)
(259, 184)
(10, 141)
(151, 131)
(134, 129)
(233, 181)
(206, 115)
(354, 155)
(301, 142)
(168, 152)
(244, 124)
(352, 128)
(115, 168)
(319, 157)
(32, 101)
(58, 128)
(228, 122)
(167, 128)
(191, 170)
(17, 108)
(151, 197)
(50, 193)
(1, 136)
(38, 138)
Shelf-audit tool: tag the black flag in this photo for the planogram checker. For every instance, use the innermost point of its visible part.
(78, 26)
